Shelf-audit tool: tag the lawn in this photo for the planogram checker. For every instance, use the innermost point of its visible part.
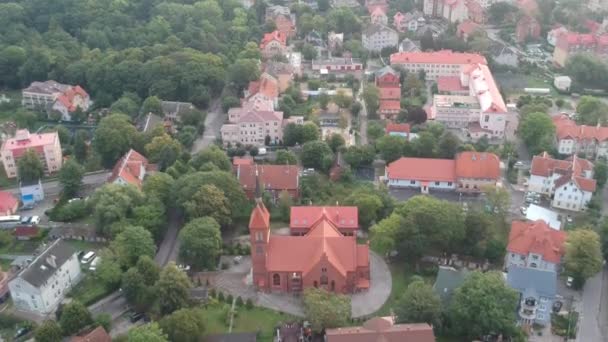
(255, 319)
(20, 247)
(89, 289)
(85, 245)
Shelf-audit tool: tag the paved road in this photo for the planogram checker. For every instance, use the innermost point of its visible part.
(167, 251)
(213, 123)
(592, 308)
(52, 187)
(362, 118)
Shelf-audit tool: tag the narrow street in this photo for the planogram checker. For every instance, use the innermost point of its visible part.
(593, 318)
(362, 118)
(213, 123)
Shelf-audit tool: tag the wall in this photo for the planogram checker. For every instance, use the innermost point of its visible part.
(570, 197)
(400, 183)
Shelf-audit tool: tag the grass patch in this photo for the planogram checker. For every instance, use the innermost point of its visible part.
(20, 247)
(5, 264)
(253, 320)
(85, 245)
(89, 290)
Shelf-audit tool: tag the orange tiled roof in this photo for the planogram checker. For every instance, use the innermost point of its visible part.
(99, 334)
(449, 84)
(571, 169)
(423, 169)
(467, 27)
(398, 128)
(67, 98)
(341, 217)
(129, 168)
(273, 36)
(260, 217)
(382, 329)
(437, 57)
(536, 237)
(266, 85)
(272, 177)
(481, 165)
(8, 202)
(565, 128)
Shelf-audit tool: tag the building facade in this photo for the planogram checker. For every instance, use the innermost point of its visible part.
(571, 139)
(569, 44)
(569, 183)
(537, 291)
(382, 329)
(43, 284)
(377, 37)
(339, 66)
(273, 44)
(52, 96)
(389, 85)
(131, 169)
(274, 179)
(253, 128)
(46, 146)
(535, 244)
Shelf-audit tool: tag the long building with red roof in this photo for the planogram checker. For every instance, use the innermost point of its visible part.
(275, 179)
(571, 43)
(534, 244)
(436, 64)
(322, 258)
(382, 329)
(569, 182)
(468, 172)
(592, 141)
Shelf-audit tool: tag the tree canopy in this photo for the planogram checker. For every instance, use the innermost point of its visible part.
(201, 243)
(326, 310)
(30, 167)
(583, 258)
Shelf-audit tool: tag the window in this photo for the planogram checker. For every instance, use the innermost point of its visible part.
(412, 182)
(276, 280)
(437, 183)
(324, 280)
(449, 183)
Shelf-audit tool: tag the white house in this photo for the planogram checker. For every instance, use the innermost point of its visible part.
(569, 182)
(43, 284)
(534, 244)
(377, 37)
(562, 83)
(591, 141)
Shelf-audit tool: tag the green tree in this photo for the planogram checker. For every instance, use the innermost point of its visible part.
(591, 111)
(48, 331)
(138, 283)
(113, 203)
(147, 333)
(230, 102)
(335, 141)
(108, 270)
(374, 131)
(309, 52)
(600, 172)
(318, 155)
(484, 304)
(286, 157)
(81, 148)
(537, 131)
(390, 147)
(425, 146)
(371, 96)
(152, 216)
(152, 104)
(159, 145)
(30, 167)
(326, 310)
(125, 105)
(210, 201)
(201, 243)
(186, 325)
(213, 155)
(186, 186)
(70, 178)
(357, 156)
(498, 198)
(159, 185)
(243, 71)
(342, 100)
(74, 317)
(583, 258)
(132, 243)
(104, 320)
(173, 289)
(114, 136)
(419, 303)
(369, 206)
(448, 145)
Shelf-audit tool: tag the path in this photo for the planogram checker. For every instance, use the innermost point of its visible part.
(167, 251)
(362, 118)
(231, 315)
(213, 123)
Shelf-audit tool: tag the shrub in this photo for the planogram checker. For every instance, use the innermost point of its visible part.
(229, 299)
(220, 296)
(225, 265)
(249, 304)
(239, 301)
(212, 293)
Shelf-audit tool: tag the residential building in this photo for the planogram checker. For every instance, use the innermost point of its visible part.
(466, 29)
(469, 172)
(283, 19)
(537, 291)
(569, 44)
(382, 329)
(253, 127)
(447, 281)
(377, 37)
(322, 258)
(569, 182)
(46, 146)
(25, 233)
(436, 64)
(339, 66)
(8, 203)
(43, 284)
(389, 86)
(535, 244)
(131, 169)
(451, 10)
(273, 44)
(31, 193)
(397, 129)
(373, 5)
(345, 3)
(282, 72)
(555, 33)
(528, 28)
(590, 141)
(378, 16)
(407, 45)
(562, 83)
(344, 218)
(408, 22)
(51, 96)
(481, 112)
(274, 179)
(265, 89)
(98, 334)
(295, 60)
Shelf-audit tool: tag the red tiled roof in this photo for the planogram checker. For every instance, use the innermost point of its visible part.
(67, 98)
(467, 27)
(272, 177)
(382, 329)
(26, 231)
(422, 169)
(99, 334)
(272, 36)
(397, 128)
(266, 85)
(449, 84)
(8, 202)
(480, 165)
(341, 217)
(31, 140)
(566, 128)
(572, 169)
(260, 217)
(129, 168)
(437, 57)
(536, 237)
(389, 105)
(543, 165)
(261, 116)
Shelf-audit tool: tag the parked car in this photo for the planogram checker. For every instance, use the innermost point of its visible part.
(524, 210)
(94, 263)
(35, 220)
(569, 219)
(557, 306)
(136, 316)
(88, 257)
(22, 332)
(519, 163)
(25, 219)
(569, 281)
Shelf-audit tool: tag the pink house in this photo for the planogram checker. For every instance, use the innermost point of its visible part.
(46, 146)
(266, 88)
(372, 5)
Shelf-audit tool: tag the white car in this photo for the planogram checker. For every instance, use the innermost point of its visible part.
(524, 210)
(35, 220)
(519, 163)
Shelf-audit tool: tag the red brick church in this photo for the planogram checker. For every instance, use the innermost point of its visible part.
(321, 257)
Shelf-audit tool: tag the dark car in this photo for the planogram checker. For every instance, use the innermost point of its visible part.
(557, 306)
(22, 332)
(136, 316)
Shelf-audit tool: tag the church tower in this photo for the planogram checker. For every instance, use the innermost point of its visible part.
(259, 235)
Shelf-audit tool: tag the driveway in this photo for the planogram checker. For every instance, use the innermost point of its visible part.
(366, 303)
(213, 123)
(403, 194)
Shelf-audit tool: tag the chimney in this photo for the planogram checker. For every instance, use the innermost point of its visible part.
(51, 260)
